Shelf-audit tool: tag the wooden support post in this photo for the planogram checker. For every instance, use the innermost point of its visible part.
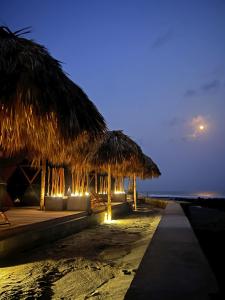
(43, 174)
(96, 182)
(87, 183)
(109, 205)
(135, 193)
(72, 185)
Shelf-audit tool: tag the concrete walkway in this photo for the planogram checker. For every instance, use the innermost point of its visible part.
(174, 266)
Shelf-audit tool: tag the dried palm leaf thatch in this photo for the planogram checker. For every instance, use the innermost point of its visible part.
(119, 184)
(120, 152)
(57, 181)
(74, 153)
(41, 109)
(80, 183)
(150, 169)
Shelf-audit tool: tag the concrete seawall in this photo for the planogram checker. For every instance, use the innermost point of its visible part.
(174, 266)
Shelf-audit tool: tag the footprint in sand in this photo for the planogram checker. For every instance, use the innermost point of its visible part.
(113, 253)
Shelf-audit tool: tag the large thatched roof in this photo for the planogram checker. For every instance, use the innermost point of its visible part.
(41, 109)
(119, 151)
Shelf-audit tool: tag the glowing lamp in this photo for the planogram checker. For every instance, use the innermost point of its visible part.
(57, 195)
(77, 194)
(108, 218)
(119, 192)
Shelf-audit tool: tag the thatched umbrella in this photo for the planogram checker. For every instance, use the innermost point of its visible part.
(116, 154)
(145, 170)
(150, 169)
(41, 109)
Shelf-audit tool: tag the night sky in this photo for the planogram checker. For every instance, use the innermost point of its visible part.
(155, 69)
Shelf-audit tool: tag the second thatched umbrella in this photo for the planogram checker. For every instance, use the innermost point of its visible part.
(116, 154)
(150, 169)
(147, 170)
(144, 169)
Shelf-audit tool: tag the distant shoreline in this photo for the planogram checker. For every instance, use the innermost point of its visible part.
(171, 197)
(182, 196)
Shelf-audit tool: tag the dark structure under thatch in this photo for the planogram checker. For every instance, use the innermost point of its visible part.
(41, 109)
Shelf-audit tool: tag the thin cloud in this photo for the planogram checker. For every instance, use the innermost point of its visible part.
(190, 93)
(162, 39)
(175, 121)
(212, 85)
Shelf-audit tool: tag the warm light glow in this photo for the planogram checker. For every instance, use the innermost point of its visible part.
(119, 192)
(104, 193)
(199, 126)
(108, 219)
(76, 194)
(57, 195)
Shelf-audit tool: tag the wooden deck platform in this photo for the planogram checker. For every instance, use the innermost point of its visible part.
(31, 227)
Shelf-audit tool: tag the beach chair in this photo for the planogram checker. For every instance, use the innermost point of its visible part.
(97, 199)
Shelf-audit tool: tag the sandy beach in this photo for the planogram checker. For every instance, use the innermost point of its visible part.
(97, 263)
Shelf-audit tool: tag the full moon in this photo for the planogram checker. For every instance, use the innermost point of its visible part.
(199, 127)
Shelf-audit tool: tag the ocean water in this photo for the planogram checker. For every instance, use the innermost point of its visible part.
(182, 194)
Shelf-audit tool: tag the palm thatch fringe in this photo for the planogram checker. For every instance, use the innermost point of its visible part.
(103, 184)
(57, 180)
(80, 183)
(150, 169)
(119, 184)
(130, 184)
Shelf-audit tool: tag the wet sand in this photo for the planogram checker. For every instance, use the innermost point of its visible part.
(97, 263)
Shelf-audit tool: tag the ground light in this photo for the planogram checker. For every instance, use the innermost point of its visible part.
(109, 220)
(77, 194)
(119, 192)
